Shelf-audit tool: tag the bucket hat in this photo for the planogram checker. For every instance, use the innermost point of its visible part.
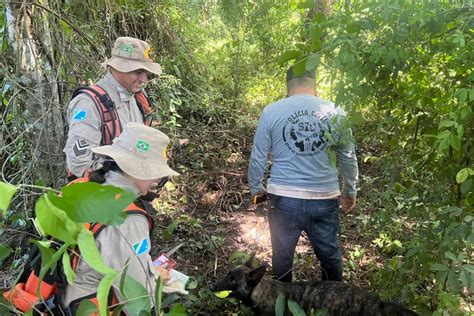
(140, 151)
(129, 54)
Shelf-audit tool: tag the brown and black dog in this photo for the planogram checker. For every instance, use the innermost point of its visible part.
(337, 298)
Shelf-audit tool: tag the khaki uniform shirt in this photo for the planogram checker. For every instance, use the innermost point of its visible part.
(85, 123)
(128, 242)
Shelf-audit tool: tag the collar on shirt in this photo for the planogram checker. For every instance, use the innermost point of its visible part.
(119, 180)
(124, 95)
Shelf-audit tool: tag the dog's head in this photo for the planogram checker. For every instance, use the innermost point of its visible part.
(240, 281)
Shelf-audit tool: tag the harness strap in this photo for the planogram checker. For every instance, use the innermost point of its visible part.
(110, 122)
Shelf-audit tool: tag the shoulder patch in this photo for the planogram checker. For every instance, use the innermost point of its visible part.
(141, 246)
(80, 147)
(79, 115)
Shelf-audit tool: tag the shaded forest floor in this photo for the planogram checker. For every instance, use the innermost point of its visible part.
(218, 226)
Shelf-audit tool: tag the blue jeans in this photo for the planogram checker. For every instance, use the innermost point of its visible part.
(288, 217)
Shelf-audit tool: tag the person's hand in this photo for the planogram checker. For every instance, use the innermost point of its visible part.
(347, 203)
(162, 272)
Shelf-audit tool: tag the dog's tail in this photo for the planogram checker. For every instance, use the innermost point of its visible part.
(396, 309)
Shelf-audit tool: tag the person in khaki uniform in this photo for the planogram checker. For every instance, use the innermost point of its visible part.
(128, 70)
(135, 161)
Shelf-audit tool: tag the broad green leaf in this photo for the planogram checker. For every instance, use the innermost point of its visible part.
(92, 202)
(462, 95)
(288, 55)
(315, 38)
(441, 278)
(469, 268)
(465, 279)
(136, 297)
(280, 305)
(86, 308)
(455, 142)
(51, 264)
(55, 222)
(6, 194)
(466, 186)
(5, 251)
(319, 17)
(453, 282)
(300, 67)
(105, 286)
(462, 175)
(450, 255)
(68, 271)
(444, 144)
(439, 267)
(177, 310)
(295, 308)
(446, 123)
(46, 251)
(90, 253)
(312, 62)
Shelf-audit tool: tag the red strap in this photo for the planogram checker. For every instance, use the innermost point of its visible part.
(110, 119)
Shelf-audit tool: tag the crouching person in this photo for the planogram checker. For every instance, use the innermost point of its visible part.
(136, 161)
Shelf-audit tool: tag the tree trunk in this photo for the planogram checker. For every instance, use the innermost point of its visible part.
(39, 98)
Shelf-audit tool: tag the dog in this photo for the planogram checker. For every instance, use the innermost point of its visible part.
(337, 298)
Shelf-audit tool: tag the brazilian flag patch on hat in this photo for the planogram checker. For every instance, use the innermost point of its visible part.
(142, 146)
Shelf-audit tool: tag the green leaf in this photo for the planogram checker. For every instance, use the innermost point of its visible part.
(85, 202)
(309, 4)
(299, 67)
(6, 194)
(441, 278)
(319, 17)
(312, 62)
(444, 144)
(177, 310)
(446, 123)
(280, 305)
(450, 255)
(50, 265)
(68, 271)
(158, 295)
(136, 296)
(86, 308)
(466, 186)
(439, 267)
(453, 282)
(55, 222)
(462, 95)
(315, 38)
(104, 289)
(462, 175)
(5, 251)
(465, 279)
(295, 308)
(455, 142)
(90, 253)
(288, 55)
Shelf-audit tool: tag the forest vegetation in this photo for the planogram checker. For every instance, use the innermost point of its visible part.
(402, 70)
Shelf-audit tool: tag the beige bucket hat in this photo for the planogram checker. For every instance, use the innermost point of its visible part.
(140, 151)
(129, 54)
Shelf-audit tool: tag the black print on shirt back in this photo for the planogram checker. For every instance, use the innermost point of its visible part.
(304, 133)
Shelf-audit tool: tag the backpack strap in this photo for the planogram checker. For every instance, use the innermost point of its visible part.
(110, 122)
(145, 105)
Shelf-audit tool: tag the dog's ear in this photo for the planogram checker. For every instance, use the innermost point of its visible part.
(257, 274)
(249, 263)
